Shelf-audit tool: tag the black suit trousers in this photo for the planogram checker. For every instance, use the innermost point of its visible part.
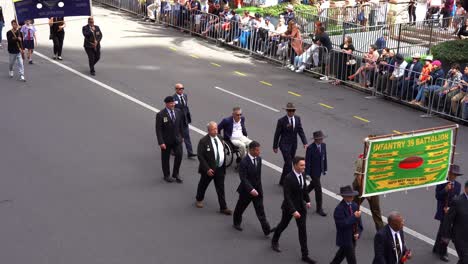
(345, 252)
(93, 57)
(288, 151)
(317, 186)
(301, 228)
(461, 246)
(205, 180)
(165, 156)
(243, 203)
(439, 246)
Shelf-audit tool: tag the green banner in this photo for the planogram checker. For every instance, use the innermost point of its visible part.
(407, 161)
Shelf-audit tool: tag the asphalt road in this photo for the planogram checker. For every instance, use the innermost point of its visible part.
(81, 180)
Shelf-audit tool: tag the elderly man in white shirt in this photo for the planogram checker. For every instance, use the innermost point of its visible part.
(235, 130)
(398, 73)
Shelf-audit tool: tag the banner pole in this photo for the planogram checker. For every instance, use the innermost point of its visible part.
(363, 169)
(454, 145)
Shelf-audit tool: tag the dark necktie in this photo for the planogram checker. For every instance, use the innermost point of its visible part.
(398, 248)
(300, 181)
(217, 152)
(351, 213)
(255, 162)
(182, 101)
(172, 115)
(291, 122)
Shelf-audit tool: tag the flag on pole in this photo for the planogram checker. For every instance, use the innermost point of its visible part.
(32, 9)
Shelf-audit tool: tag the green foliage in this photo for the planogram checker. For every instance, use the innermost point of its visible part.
(277, 10)
(449, 52)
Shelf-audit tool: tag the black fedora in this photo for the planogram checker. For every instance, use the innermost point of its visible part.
(318, 135)
(290, 106)
(347, 191)
(455, 170)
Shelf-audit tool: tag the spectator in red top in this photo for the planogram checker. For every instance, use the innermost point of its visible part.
(447, 12)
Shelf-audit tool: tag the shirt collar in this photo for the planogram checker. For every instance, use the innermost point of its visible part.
(394, 232)
(169, 110)
(251, 157)
(466, 195)
(296, 173)
(234, 121)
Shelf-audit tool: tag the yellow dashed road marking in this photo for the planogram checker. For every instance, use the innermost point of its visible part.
(239, 73)
(172, 48)
(293, 93)
(215, 64)
(194, 56)
(362, 119)
(327, 106)
(266, 83)
(396, 132)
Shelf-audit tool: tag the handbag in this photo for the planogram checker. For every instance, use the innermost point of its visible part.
(351, 62)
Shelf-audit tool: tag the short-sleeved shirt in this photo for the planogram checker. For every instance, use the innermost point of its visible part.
(464, 87)
(28, 32)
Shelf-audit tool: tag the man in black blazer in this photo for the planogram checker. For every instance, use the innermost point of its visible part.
(181, 103)
(389, 242)
(92, 43)
(212, 167)
(295, 204)
(250, 188)
(316, 165)
(287, 129)
(455, 225)
(169, 125)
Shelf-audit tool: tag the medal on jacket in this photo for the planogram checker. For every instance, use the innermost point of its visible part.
(165, 119)
(208, 148)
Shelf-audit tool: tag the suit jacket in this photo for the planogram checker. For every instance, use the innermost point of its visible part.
(90, 37)
(295, 197)
(455, 222)
(184, 109)
(346, 223)
(206, 155)
(227, 124)
(413, 75)
(167, 131)
(250, 176)
(285, 134)
(445, 198)
(316, 162)
(384, 248)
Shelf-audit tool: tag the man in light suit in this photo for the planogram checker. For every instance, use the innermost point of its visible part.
(250, 188)
(235, 131)
(181, 103)
(212, 167)
(316, 165)
(287, 130)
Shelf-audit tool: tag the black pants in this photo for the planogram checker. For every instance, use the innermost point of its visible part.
(288, 151)
(165, 156)
(58, 42)
(205, 180)
(301, 228)
(93, 56)
(461, 246)
(243, 203)
(412, 13)
(439, 246)
(317, 186)
(345, 252)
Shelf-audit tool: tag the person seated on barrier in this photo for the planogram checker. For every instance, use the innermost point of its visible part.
(463, 32)
(433, 83)
(346, 61)
(257, 31)
(153, 10)
(424, 76)
(325, 52)
(295, 38)
(213, 19)
(443, 95)
(275, 37)
(264, 32)
(384, 68)
(460, 97)
(397, 75)
(165, 12)
(234, 28)
(369, 60)
(224, 25)
(412, 72)
(301, 61)
(235, 130)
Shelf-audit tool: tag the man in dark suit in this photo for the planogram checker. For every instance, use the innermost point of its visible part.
(389, 242)
(445, 193)
(316, 165)
(235, 131)
(455, 225)
(287, 129)
(169, 125)
(295, 204)
(92, 43)
(181, 103)
(250, 188)
(212, 167)
(413, 70)
(348, 226)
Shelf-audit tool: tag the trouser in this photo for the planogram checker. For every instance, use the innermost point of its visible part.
(165, 156)
(293, 55)
(461, 246)
(345, 252)
(465, 111)
(1, 31)
(58, 43)
(16, 58)
(205, 180)
(288, 151)
(243, 203)
(412, 13)
(301, 228)
(316, 185)
(374, 203)
(242, 143)
(93, 57)
(187, 141)
(439, 246)
(455, 102)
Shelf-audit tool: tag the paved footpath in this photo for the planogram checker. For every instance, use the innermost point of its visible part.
(81, 178)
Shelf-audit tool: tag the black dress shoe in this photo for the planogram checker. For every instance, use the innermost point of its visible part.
(321, 212)
(275, 247)
(306, 259)
(178, 180)
(272, 230)
(237, 227)
(444, 258)
(191, 155)
(168, 179)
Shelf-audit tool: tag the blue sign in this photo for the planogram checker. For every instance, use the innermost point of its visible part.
(31, 9)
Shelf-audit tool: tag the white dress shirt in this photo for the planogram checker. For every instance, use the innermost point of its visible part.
(299, 178)
(220, 149)
(399, 241)
(400, 70)
(252, 158)
(236, 129)
(293, 121)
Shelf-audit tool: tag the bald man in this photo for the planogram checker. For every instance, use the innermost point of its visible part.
(181, 103)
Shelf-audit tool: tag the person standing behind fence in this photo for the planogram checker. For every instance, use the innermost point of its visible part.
(29, 41)
(447, 12)
(57, 35)
(412, 12)
(295, 37)
(2, 24)
(92, 43)
(346, 61)
(15, 50)
(459, 15)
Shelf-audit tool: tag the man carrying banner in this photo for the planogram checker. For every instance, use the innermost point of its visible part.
(15, 50)
(92, 43)
(445, 194)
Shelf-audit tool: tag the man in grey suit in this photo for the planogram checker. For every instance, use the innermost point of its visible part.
(181, 103)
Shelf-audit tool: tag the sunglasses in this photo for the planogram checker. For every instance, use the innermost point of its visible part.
(179, 88)
(238, 114)
(291, 110)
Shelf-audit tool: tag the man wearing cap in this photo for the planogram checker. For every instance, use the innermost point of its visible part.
(455, 225)
(413, 70)
(434, 78)
(445, 193)
(289, 14)
(425, 74)
(169, 127)
(348, 226)
(316, 165)
(287, 130)
(181, 103)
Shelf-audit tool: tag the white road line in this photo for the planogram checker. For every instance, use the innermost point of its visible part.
(247, 99)
(199, 131)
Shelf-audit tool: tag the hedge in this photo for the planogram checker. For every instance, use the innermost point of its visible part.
(277, 10)
(455, 51)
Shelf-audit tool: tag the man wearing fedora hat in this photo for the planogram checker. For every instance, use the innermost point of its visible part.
(287, 130)
(413, 70)
(289, 13)
(169, 129)
(348, 226)
(445, 193)
(316, 165)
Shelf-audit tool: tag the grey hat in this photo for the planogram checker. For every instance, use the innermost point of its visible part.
(455, 170)
(347, 191)
(290, 106)
(318, 135)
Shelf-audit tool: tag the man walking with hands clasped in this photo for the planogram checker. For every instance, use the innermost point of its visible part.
(92, 43)
(316, 166)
